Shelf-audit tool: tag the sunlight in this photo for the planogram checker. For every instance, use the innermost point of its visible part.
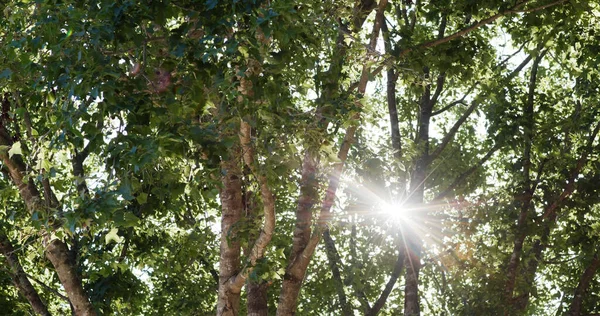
(395, 212)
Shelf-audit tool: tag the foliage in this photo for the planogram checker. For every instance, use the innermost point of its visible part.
(126, 118)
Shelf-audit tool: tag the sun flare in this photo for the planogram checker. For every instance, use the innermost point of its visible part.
(395, 212)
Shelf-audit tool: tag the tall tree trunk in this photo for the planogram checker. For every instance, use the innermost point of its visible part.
(228, 301)
(19, 277)
(412, 238)
(56, 251)
(583, 286)
(303, 244)
(527, 190)
(298, 264)
(256, 290)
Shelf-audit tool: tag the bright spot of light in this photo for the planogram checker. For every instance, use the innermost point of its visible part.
(395, 212)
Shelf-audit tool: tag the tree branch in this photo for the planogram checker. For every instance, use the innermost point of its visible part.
(390, 284)
(462, 177)
(550, 211)
(334, 260)
(260, 245)
(583, 286)
(458, 34)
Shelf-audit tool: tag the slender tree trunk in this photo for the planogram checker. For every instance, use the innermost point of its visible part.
(303, 243)
(527, 190)
(256, 297)
(19, 277)
(412, 238)
(333, 258)
(56, 251)
(583, 286)
(228, 300)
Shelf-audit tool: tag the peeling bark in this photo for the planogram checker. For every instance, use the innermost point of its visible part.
(304, 246)
(228, 299)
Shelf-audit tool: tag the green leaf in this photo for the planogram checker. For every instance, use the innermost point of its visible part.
(15, 149)
(142, 198)
(130, 220)
(112, 236)
(6, 73)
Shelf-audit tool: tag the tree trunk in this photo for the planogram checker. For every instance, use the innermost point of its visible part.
(527, 190)
(412, 238)
(19, 277)
(298, 263)
(583, 286)
(56, 251)
(257, 298)
(228, 301)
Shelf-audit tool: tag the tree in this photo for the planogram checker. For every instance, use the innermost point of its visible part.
(187, 157)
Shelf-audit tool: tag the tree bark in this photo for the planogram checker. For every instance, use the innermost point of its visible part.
(19, 277)
(417, 187)
(228, 300)
(257, 298)
(256, 290)
(583, 286)
(305, 243)
(56, 251)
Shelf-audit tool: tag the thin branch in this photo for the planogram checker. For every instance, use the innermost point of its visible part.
(398, 267)
(334, 261)
(461, 178)
(505, 61)
(540, 7)
(458, 34)
(450, 135)
(453, 103)
(48, 288)
(570, 186)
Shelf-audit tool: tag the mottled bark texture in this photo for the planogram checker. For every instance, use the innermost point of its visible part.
(228, 301)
